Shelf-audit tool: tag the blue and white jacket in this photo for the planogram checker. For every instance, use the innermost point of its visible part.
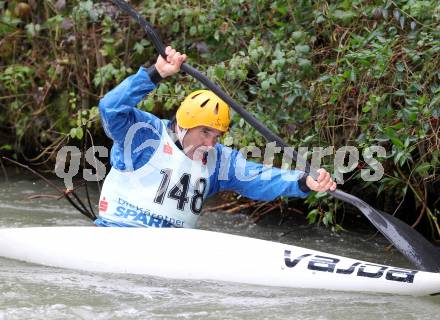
(118, 113)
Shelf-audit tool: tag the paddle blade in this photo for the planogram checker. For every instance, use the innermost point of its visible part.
(419, 251)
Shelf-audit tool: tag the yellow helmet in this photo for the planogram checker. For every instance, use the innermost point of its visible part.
(203, 108)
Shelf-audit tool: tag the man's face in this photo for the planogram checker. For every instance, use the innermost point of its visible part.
(199, 140)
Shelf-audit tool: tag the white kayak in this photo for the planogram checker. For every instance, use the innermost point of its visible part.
(206, 255)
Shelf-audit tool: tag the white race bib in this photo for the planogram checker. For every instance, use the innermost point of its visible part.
(168, 191)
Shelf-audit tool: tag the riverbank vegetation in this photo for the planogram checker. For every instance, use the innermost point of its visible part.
(318, 73)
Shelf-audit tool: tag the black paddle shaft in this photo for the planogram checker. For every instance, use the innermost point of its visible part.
(420, 252)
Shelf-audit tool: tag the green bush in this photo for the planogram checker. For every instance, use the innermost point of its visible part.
(315, 72)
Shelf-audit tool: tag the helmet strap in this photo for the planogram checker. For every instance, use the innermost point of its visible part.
(181, 132)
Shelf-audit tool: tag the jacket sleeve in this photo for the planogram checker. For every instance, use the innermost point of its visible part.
(128, 126)
(118, 107)
(253, 180)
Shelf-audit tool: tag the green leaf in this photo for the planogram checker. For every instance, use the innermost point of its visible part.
(283, 9)
(423, 169)
(265, 85)
(397, 126)
(33, 29)
(147, 104)
(344, 16)
(76, 133)
(72, 133)
(404, 158)
(353, 76)
(175, 27)
(94, 112)
(393, 137)
(400, 67)
(308, 138)
(6, 147)
(435, 101)
(312, 216)
(79, 133)
(219, 71)
(163, 89)
(435, 158)
(302, 48)
(328, 219)
(297, 35)
(412, 117)
(138, 47)
(321, 195)
(304, 63)
(366, 108)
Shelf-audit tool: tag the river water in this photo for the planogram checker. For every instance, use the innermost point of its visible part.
(29, 291)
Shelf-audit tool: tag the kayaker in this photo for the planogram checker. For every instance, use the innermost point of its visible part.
(163, 170)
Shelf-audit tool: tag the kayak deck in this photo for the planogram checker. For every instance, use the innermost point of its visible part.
(206, 255)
